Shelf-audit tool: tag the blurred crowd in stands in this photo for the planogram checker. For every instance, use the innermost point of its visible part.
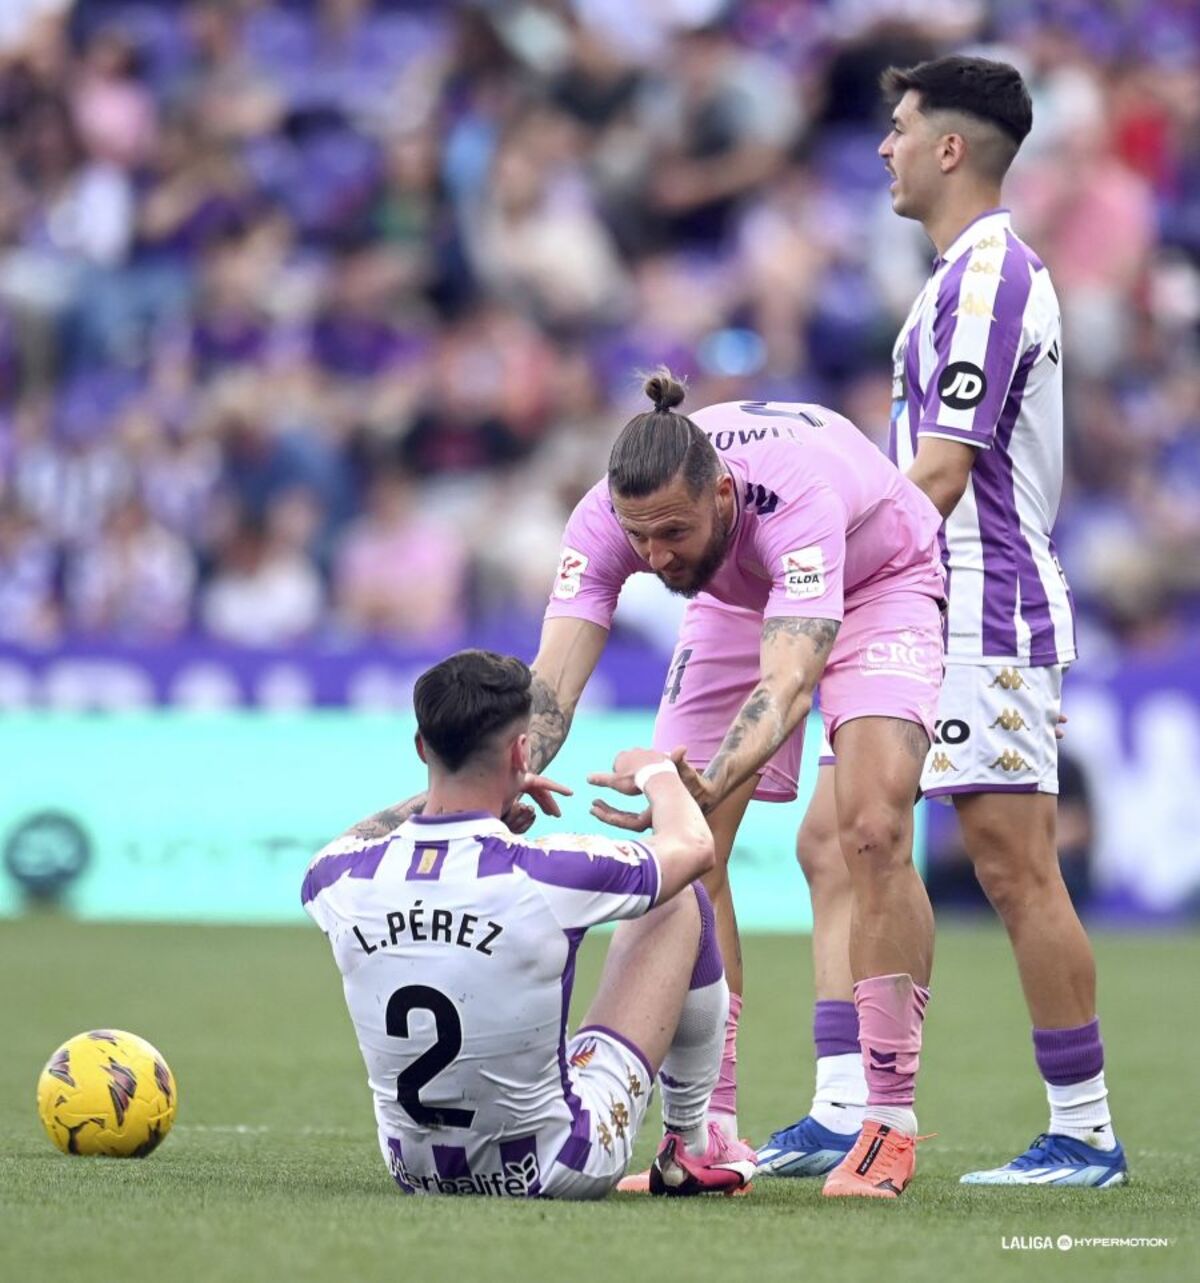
(316, 318)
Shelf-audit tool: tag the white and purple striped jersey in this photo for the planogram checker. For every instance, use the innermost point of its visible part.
(456, 942)
(979, 360)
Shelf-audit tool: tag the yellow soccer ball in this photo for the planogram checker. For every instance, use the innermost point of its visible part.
(107, 1092)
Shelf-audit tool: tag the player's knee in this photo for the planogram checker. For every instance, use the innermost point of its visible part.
(819, 854)
(876, 834)
(1013, 882)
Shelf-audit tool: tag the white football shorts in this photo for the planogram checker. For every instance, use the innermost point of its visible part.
(995, 731)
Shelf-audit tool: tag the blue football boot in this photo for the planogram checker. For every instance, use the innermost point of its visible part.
(804, 1149)
(1058, 1160)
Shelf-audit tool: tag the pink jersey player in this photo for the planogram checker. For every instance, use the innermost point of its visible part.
(807, 558)
(824, 527)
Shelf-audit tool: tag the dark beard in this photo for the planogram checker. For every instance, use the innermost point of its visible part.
(708, 565)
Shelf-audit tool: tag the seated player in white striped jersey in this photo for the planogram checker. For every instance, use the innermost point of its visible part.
(456, 941)
(977, 424)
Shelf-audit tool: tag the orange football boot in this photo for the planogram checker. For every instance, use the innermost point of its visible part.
(880, 1165)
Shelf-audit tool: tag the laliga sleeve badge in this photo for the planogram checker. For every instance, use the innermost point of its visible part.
(962, 385)
(569, 579)
(804, 572)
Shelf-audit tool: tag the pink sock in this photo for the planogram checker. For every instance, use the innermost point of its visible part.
(890, 1012)
(724, 1097)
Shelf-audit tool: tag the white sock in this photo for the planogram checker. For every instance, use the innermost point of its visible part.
(1080, 1110)
(903, 1120)
(693, 1060)
(841, 1093)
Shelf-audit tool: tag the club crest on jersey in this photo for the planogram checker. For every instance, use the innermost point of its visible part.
(962, 385)
(804, 572)
(569, 579)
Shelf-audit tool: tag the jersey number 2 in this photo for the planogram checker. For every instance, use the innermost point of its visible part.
(429, 1064)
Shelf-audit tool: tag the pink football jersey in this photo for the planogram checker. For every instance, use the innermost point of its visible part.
(823, 520)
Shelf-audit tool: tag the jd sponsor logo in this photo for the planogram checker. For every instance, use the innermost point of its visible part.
(962, 385)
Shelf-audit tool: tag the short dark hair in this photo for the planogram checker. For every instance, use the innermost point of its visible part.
(657, 446)
(990, 91)
(463, 701)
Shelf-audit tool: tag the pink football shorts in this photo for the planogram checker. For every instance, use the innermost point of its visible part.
(886, 662)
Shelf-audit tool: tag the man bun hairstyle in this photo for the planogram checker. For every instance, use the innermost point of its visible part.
(980, 87)
(659, 445)
(664, 391)
(465, 700)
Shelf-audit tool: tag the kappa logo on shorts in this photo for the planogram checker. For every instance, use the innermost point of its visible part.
(941, 764)
(1010, 720)
(1008, 679)
(569, 580)
(1010, 761)
(804, 572)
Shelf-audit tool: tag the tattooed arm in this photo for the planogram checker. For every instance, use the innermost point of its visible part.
(384, 822)
(566, 658)
(792, 659)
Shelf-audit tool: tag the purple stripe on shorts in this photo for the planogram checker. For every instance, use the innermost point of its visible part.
(451, 1162)
(519, 1158)
(951, 789)
(577, 1147)
(1066, 1056)
(625, 1042)
(709, 968)
(329, 868)
(396, 1164)
(835, 1028)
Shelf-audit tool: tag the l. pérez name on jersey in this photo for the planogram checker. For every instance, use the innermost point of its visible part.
(438, 926)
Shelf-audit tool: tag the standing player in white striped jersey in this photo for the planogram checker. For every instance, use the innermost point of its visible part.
(977, 423)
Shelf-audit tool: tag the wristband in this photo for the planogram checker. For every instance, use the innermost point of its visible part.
(643, 773)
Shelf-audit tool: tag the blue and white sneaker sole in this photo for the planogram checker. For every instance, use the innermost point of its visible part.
(1096, 1177)
(798, 1163)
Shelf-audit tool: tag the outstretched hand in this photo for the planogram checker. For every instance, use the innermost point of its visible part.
(520, 816)
(620, 779)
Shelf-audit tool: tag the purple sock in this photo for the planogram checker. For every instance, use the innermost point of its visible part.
(709, 968)
(835, 1028)
(1066, 1056)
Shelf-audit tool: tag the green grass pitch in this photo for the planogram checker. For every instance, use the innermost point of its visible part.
(272, 1171)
